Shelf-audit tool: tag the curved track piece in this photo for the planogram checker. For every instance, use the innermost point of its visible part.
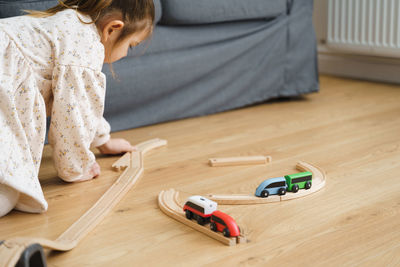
(11, 249)
(169, 204)
(318, 182)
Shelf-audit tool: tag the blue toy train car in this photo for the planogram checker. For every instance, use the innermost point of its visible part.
(280, 185)
(272, 186)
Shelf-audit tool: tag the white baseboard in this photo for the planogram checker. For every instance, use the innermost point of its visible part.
(357, 66)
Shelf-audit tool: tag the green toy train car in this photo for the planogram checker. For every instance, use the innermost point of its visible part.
(301, 180)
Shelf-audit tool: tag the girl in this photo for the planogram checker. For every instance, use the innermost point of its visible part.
(50, 65)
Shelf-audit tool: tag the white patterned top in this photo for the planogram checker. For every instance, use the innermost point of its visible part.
(49, 66)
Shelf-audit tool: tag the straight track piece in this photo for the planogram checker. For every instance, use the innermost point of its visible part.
(235, 161)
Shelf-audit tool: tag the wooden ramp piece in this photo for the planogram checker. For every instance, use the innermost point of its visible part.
(169, 204)
(11, 249)
(235, 161)
(318, 182)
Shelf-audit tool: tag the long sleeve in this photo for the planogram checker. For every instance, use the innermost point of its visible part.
(77, 120)
(102, 134)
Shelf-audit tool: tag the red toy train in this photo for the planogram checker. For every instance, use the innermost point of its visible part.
(204, 211)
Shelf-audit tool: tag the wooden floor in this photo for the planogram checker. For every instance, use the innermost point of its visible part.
(351, 129)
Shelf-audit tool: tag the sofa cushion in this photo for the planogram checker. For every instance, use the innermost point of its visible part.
(185, 12)
(11, 8)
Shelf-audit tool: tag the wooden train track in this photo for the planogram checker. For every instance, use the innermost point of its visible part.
(132, 162)
(318, 182)
(235, 161)
(168, 201)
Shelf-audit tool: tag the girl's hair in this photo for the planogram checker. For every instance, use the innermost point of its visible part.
(137, 15)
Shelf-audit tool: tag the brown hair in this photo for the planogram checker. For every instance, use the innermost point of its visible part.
(137, 15)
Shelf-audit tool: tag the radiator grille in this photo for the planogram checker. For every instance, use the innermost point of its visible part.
(364, 26)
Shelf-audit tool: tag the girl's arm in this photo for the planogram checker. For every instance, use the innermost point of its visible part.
(77, 112)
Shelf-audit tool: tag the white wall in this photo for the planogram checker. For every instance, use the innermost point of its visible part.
(320, 19)
(350, 65)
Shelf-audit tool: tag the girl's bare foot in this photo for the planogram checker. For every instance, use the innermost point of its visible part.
(95, 170)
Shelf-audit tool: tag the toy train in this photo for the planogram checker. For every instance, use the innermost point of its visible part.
(280, 185)
(205, 211)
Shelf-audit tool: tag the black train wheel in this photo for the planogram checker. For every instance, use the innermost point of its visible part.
(189, 214)
(200, 220)
(264, 193)
(226, 232)
(213, 226)
(295, 188)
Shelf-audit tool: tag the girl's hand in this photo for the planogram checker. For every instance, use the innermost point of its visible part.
(116, 146)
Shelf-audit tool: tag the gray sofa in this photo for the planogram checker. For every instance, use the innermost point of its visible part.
(208, 56)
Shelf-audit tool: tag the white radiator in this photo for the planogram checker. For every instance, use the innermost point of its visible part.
(364, 27)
